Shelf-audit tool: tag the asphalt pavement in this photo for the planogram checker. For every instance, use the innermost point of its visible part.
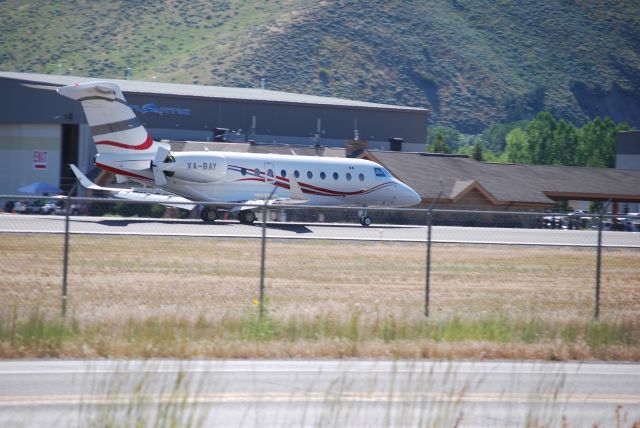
(280, 230)
(296, 393)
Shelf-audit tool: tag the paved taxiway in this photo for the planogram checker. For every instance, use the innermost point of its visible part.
(170, 227)
(320, 393)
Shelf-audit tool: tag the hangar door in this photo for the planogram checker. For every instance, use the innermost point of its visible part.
(69, 155)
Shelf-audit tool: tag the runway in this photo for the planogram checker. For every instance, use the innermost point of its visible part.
(328, 231)
(319, 393)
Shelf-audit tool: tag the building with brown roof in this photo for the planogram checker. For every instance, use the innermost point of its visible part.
(465, 183)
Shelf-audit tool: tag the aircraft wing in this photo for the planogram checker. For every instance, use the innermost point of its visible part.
(135, 195)
(297, 197)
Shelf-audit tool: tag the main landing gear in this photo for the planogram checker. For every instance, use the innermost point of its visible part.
(209, 214)
(365, 220)
(247, 217)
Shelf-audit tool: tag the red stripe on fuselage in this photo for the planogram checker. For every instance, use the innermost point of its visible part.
(313, 190)
(147, 143)
(120, 171)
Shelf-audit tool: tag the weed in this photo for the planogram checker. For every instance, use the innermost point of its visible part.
(321, 336)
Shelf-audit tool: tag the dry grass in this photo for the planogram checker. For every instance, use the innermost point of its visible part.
(318, 293)
(122, 277)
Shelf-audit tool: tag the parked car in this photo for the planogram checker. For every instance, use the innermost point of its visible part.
(15, 206)
(41, 206)
(74, 209)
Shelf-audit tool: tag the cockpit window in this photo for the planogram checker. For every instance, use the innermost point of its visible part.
(381, 172)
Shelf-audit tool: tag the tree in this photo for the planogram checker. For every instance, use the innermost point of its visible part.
(477, 152)
(494, 137)
(451, 136)
(549, 141)
(517, 150)
(439, 146)
(565, 144)
(540, 136)
(597, 143)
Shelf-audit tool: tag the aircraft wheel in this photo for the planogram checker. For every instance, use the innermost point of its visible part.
(365, 221)
(247, 217)
(208, 214)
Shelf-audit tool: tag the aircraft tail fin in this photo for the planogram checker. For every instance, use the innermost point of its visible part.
(114, 126)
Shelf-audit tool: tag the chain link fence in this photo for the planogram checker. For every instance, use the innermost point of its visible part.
(116, 261)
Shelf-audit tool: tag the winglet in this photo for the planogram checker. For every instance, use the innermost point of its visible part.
(83, 178)
(88, 183)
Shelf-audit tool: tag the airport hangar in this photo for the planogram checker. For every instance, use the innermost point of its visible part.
(42, 132)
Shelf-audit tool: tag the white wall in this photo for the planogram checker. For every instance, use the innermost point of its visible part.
(17, 146)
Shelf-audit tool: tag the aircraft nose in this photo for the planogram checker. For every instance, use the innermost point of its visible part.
(409, 196)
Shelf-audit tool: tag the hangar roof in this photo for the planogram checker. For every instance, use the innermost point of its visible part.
(506, 183)
(201, 91)
(281, 149)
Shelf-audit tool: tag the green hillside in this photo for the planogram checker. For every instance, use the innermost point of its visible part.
(472, 63)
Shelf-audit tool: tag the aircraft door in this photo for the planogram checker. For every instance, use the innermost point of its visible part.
(270, 172)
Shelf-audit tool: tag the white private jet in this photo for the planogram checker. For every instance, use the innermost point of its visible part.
(185, 179)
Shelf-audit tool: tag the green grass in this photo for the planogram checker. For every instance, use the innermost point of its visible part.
(41, 336)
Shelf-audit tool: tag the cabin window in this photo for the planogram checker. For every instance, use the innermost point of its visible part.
(243, 171)
(381, 172)
(270, 173)
(283, 173)
(348, 176)
(257, 172)
(323, 175)
(361, 176)
(296, 173)
(335, 176)
(309, 174)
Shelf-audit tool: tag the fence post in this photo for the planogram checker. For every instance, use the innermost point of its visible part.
(428, 267)
(65, 269)
(262, 257)
(599, 260)
(265, 213)
(427, 284)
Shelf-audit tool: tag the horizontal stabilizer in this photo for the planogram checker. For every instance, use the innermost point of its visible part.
(133, 195)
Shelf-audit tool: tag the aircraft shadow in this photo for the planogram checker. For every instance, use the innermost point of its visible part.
(295, 228)
(126, 222)
(123, 222)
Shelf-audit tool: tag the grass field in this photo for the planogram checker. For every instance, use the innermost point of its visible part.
(323, 298)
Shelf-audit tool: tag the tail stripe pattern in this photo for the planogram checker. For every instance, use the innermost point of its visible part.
(96, 97)
(109, 128)
(144, 146)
